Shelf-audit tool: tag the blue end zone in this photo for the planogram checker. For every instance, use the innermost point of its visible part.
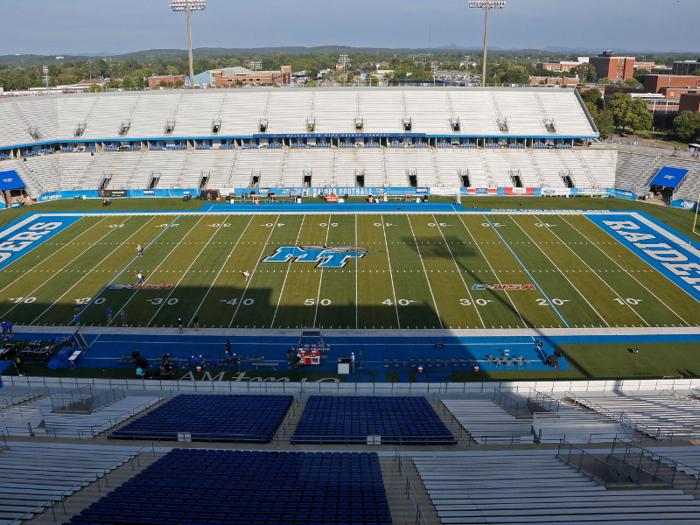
(26, 233)
(671, 254)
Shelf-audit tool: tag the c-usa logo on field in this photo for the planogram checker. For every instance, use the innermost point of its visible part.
(323, 256)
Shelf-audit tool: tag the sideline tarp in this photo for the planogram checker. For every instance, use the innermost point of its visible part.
(669, 177)
(10, 180)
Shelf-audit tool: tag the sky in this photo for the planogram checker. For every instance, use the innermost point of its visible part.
(121, 26)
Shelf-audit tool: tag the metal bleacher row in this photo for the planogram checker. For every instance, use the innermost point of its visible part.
(231, 487)
(240, 111)
(352, 419)
(336, 168)
(512, 489)
(34, 476)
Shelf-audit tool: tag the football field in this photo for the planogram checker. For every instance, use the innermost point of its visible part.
(365, 271)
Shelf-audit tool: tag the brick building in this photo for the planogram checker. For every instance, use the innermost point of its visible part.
(232, 76)
(607, 65)
(654, 83)
(690, 102)
(154, 82)
(685, 67)
(553, 81)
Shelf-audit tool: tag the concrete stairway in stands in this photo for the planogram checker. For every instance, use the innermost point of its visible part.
(402, 509)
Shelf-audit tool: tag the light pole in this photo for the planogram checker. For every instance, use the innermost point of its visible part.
(188, 6)
(486, 5)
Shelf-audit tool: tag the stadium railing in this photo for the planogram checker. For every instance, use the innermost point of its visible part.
(410, 493)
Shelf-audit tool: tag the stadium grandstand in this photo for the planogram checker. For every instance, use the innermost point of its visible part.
(242, 440)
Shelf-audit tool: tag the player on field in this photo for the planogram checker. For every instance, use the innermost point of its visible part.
(139, 250)
(139, 279)
(246, 275)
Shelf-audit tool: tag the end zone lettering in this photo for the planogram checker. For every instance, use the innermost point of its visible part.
(143, 287)
(504, 287)
(24, 235)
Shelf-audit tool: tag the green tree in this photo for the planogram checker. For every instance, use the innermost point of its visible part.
(696, 72)
(639, 117)
(179, 83)
(594, 97)
(640, 73)
(94, 88)
(605, 123)
(620, 108)
(586, 72)
(687, 125)
(128, 83)
(311, 83)
(632, 82)
(516, 75)
(605, 81)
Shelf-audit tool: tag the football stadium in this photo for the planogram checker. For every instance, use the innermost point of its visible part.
(347, 306)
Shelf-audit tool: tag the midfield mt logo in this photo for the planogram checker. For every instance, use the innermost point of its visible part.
(323, 256)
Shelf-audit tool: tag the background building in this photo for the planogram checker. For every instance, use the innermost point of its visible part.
(607, 65)
(685, 67)
(155, 81)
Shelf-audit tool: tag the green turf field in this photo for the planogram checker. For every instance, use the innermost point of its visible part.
(419, 272)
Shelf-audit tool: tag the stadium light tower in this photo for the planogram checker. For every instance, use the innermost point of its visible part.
(189, 6)
(486, 5)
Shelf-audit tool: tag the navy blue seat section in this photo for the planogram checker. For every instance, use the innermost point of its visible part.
(350, 419)
(216, 487)
(231, 419)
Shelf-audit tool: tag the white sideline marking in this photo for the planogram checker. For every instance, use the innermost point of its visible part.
(595, 273)
(252, 274)
(121, 245)
(562, 273)
(221, 269)
(206, 245)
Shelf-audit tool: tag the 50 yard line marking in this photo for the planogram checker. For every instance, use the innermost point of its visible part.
(562, 273)
(320, 281)
(296, 243)
(462, 276)
(624, 270)
(437, 310)
(66, 245)
(184, 274)
(221, 269)
(112, 230)
(391, 273)
(592, 270)
(256, 267)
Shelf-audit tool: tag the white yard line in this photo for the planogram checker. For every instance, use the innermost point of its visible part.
(184, 274)
(391, 274)
(357, 313)
(221, 269)
(626, 271)
(93, 269)
(119, 310)
(296, 243)
(250, 279)
(461, 276)
(58, 272)
(437, 310)
(495, 275)
(593, 271)
(320, 281)
(66, 245)
(563, 273)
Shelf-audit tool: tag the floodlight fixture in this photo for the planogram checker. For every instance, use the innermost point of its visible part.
(188, 6)
(486, 5)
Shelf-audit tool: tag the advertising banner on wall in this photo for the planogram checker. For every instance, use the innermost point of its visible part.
(481, 191)
(518, 191)
(555, 192)
(622, 194)
(590, 191)
(686, 205)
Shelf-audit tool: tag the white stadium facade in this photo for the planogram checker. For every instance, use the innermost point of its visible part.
(526, 139)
